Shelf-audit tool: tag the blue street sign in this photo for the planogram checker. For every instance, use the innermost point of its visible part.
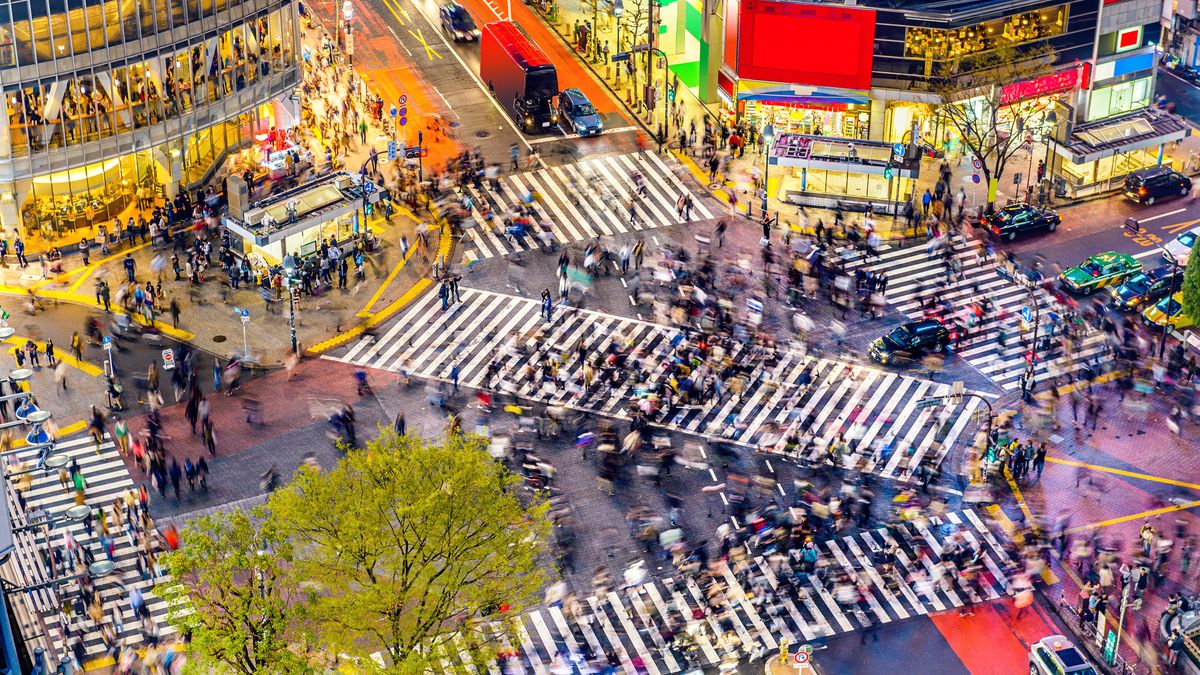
(898, 149)
(404, 112)
(107, 340)
(391, 151)
(1027, 313)
(392, 112)
(403, 121)
(369, 187)
(245, 312)
(620, 56)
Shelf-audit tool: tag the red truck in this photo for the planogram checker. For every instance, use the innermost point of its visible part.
(519, 75)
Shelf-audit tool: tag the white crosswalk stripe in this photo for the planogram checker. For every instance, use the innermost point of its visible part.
(580, 201)
(913, 275)
(872, 409)
(107, 479)
(636, 626)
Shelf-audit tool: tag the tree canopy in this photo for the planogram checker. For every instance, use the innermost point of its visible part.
(230, 586)
(1191, 288)
(414, 550)
(971, 91)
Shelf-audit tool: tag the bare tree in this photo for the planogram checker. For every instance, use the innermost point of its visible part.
(971, 90)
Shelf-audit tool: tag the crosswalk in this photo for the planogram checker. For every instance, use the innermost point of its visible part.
(630, 624)
(108, 480)
(913, 274)
(580, 201)
(875, 409)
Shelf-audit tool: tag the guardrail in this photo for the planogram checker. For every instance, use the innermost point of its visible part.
(1085, 631)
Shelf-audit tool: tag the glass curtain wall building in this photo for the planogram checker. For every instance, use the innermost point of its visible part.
(112, 101)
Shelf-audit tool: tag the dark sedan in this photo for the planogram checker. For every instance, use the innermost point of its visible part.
(1016, 219)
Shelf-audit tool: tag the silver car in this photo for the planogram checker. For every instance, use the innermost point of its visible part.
(1055, 655)
(1179, 249)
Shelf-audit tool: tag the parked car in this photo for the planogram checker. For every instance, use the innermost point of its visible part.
(1179, 249)
(1168, 311)
(1056, 655)
(457, 22)
(1098, 271)
(579, 113)
(1145, 288)
(1145, 186)
(1016, 219)
(911, 340)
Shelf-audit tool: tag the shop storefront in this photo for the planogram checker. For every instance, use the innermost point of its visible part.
(829, 172)
(811, 111)
(297, 221)
(1098, 155)
(57, 204)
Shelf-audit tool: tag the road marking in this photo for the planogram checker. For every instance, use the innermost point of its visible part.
(1147, 254)
(429, 51)
(565, 137)
(1135, 516)
(1179, 227)
(1123, 472)
(1161, 215)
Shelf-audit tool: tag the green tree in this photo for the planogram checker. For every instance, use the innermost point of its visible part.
(230, 588)
(1191, 288)
(970, 89)
(416, 551)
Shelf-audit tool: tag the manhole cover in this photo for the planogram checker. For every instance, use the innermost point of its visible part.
(454, 124)
(219, 338)
(482, 134)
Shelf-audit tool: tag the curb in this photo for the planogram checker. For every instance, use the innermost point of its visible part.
(444, 250)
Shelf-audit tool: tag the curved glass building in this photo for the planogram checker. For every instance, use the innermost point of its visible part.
(112, 101)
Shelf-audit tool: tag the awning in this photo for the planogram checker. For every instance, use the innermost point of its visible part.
(1125, 133)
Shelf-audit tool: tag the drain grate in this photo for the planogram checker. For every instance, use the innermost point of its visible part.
(482, 134)
(219, 338)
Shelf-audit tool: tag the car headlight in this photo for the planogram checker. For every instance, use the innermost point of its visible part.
(554, 117)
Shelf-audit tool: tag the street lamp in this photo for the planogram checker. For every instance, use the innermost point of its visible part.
(617, 11)
(289, 277)
(769, 135)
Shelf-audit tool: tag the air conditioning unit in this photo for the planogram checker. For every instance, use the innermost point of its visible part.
(254, 217)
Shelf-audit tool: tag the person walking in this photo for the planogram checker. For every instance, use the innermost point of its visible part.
(130, 266)
(547, 303)
(1039, 459)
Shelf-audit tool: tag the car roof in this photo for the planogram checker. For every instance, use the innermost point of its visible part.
(1152, 171)
(1161, 272)
(922, 324)
(1194, 230)
(575, 95)
(1111, 257)
(1065, 651)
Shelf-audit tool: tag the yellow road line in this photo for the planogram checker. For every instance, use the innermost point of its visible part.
(1012, 484)
(64, 356)
(1136, 516)
(386, 313)
(1099, 379)
(1010, 528)
(1123, 472)
(72, 428)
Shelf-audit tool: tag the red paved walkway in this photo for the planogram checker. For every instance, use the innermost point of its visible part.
(993, 640)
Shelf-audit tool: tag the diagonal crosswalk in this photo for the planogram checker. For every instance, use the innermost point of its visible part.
(670, 625)
(108, 480)
(580, 201)
(913, 275)
(496, 341)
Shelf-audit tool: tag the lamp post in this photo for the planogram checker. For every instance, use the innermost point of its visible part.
(1037, 320)
(1052, 123)
(1162, 338)
(617, 11)
(289, 276)
(769, 136)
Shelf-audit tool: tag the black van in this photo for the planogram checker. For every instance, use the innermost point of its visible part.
(1147, 185)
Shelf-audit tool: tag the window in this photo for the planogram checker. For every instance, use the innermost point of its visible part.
(1119, 98)
(937, 43)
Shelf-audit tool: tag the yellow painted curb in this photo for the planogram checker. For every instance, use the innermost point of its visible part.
(366, 312)
(1010, 528)
(89, 301)
(64, 356)
(72, 428)
(1106, 377)
(443, 252)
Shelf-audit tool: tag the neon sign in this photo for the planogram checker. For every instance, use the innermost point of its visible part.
(1039, 86)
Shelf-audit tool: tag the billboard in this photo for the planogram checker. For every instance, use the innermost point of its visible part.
(819, 45)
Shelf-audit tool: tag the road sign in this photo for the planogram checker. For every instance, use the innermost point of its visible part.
(245, 313)
(403, 121)
(1026, 313)
(168, 357)
(619, 56)
(403, 100)
(1017, 178)
(977, 164)
(393, 112)
(391, 151)
(108, 343)
(898, 149)
(1110, 648)
(928, 403)
(404, 111)
(975, 178)
(369, 187)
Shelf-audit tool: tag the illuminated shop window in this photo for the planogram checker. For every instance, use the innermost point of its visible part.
(942, 44)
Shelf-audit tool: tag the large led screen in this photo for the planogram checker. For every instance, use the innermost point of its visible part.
(816, 45)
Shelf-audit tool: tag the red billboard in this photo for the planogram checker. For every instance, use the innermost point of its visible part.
(815, 45)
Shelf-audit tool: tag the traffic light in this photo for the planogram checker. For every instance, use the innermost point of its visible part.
(887, 173)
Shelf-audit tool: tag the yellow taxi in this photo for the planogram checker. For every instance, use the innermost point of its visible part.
(1169, 310)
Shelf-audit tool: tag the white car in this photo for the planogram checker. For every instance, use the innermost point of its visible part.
(1180, 248)
(1055, 655)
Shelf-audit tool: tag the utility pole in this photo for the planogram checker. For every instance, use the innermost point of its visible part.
(650, 26)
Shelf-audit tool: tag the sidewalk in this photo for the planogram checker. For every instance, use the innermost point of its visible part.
(206, 317)
(1111, 481)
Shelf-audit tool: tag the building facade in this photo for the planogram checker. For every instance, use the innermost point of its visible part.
(113, 101)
